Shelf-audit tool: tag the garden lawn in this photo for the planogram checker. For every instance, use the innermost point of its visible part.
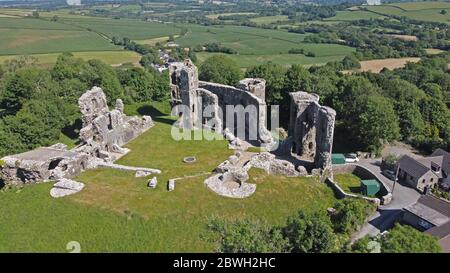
(117, 212)
(350, 183)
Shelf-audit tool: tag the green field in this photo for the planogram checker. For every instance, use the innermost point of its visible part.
(27, 41)
(354, 15)
(130, 28)
(117, 212)
(109, 57)
(269, 19)
(216, 16)
(246, 61)
(256, 45)
(424, 11)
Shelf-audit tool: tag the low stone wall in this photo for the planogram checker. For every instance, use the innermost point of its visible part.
(342, 194)
(362, 173)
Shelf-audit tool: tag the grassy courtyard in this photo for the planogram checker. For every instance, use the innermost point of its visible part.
(117, 212)
(350, 183)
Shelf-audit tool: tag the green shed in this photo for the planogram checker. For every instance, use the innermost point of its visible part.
(370, 187)
(337, 159)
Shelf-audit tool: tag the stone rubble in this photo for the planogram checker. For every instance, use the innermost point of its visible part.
(152, 183)
(64, 187)
(171, 185)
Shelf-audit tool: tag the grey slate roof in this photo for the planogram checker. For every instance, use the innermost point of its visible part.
(428, 214)
(412, 166)
(445, 161)
(436, 207)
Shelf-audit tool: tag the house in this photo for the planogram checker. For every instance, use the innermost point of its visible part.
(420, 173)
(431, 215)
(445, 167)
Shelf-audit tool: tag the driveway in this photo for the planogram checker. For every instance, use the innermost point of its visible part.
(386, 215)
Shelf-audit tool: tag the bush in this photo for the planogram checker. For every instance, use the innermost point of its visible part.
(246, 236)
(309, 233)
(350, 214)
(406, 239)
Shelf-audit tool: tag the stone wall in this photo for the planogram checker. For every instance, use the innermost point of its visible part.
(102, 135)
(311, 128)
(364, 173)
(197, 95)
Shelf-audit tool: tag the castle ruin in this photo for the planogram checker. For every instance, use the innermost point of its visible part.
(198, 96)
(101, 137)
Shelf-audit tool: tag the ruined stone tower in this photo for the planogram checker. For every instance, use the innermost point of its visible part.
(311, 130)
(197, 96)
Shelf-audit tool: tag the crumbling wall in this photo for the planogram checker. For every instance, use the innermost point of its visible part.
(104, 130)
(102, 135)
(311, 130)
(197, 95)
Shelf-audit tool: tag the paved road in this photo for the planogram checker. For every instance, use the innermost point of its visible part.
(386, 215)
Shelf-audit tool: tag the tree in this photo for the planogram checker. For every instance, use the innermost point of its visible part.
(141, 85)
(23, 85)
(350, 214)
(105, 76)
(220, 69)
(246, 236)
(405, 239)
(350, 62)
(309, 232)
(298, 78)
(377, 123)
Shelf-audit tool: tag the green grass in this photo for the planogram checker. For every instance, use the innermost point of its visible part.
(425, 11)
(117, 212)
(246, 61)
(354, 15)
(109, 57)
(34, 41)
(130, 28)
(30, 23)
(422, 5)
(350, 183)
(256, 45)
(216, 16)
(269, 19)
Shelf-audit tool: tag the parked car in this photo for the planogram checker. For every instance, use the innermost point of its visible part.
(351, 158)
(389, 174)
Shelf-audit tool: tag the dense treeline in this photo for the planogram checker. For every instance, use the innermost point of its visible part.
(305, 232)
(37, 104)
(377, 38)
(317, 232)
(372, 109)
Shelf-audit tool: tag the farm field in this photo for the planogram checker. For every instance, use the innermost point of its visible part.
(376, 66)
(117, 212)
(110, 57)
(349, 15)
(246, 61)
(269, 19)
(133, 29)
(425, 11)
(34, 41)
(77, 33)
(34, 36)
(216, 16)
(255, 45)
